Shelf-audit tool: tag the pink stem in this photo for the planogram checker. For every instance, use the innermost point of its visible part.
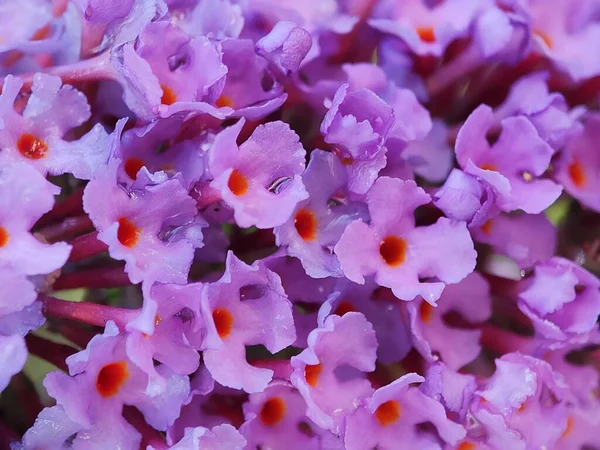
(86, 246)
(92, 69)
(90, 313)
(149, 435)
(103, 277)
(67, 228)
(280, 367)
(503, 341)
(206, 195)
(450, 73)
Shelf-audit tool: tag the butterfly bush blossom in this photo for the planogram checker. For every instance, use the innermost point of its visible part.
(279, 225)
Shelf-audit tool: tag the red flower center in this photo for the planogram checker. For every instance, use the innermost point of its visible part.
(111, 378)
(127, 234)
(272, 411)
(306, 224)
(344, 307)
(3, 237)
(425, 311)
(168, 95)
(487, 226)
(133, 166)
(223, 321)
(393, 250)
(238, 183)
(426, 34)
(488, 166)
(31, 146)
(224, 100)
(312, 373)
(576, 173)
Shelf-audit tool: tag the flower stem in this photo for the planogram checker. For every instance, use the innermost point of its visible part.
(86, 245)
(72, 205)
(67, 228)
(103, 277)
(50, 351)
(90, 313)
(93, 69)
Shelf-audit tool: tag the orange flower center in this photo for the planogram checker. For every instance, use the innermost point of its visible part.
(576, 173)
(312, 373)
(42, 33)
(3, 237)
(238, 183)
(168, 95)
(223, 101)
(344, 307)
(488, 166)
(223, 321)
(466, 445)
(426, 34)
(272, 411)
(487, 227)
(393, 250)
(31, 146)
(425, 311)
(111, 378)
(133, 166)
(388, 412)
(306, 224)
(544, 37)
(569, 428)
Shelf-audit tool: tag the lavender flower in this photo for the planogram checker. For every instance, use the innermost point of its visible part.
(328, 224)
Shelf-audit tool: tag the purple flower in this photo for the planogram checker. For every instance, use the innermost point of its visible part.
(454, 390)
(260, 179)
(161, 73)
(452, 345)
(392, 414)
(13, 354)
(524, 391)
(466, 198)
(318, 222)
(38, 135)
(393, 333)
(249, 87)
(223, 437)
(548, 112)
(285, 47)
(513, 166)
(563, 34)
(24, 196)
(329, 373)
(143, 227)
(579, 163)
(426, 27)
(307, 294)
(562, 300)
(246, 306)
(400, 254)
(525, 238)
(357, 125)
(180, 158)
(277, 418)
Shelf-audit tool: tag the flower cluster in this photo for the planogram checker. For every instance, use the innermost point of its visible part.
(322, 224)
